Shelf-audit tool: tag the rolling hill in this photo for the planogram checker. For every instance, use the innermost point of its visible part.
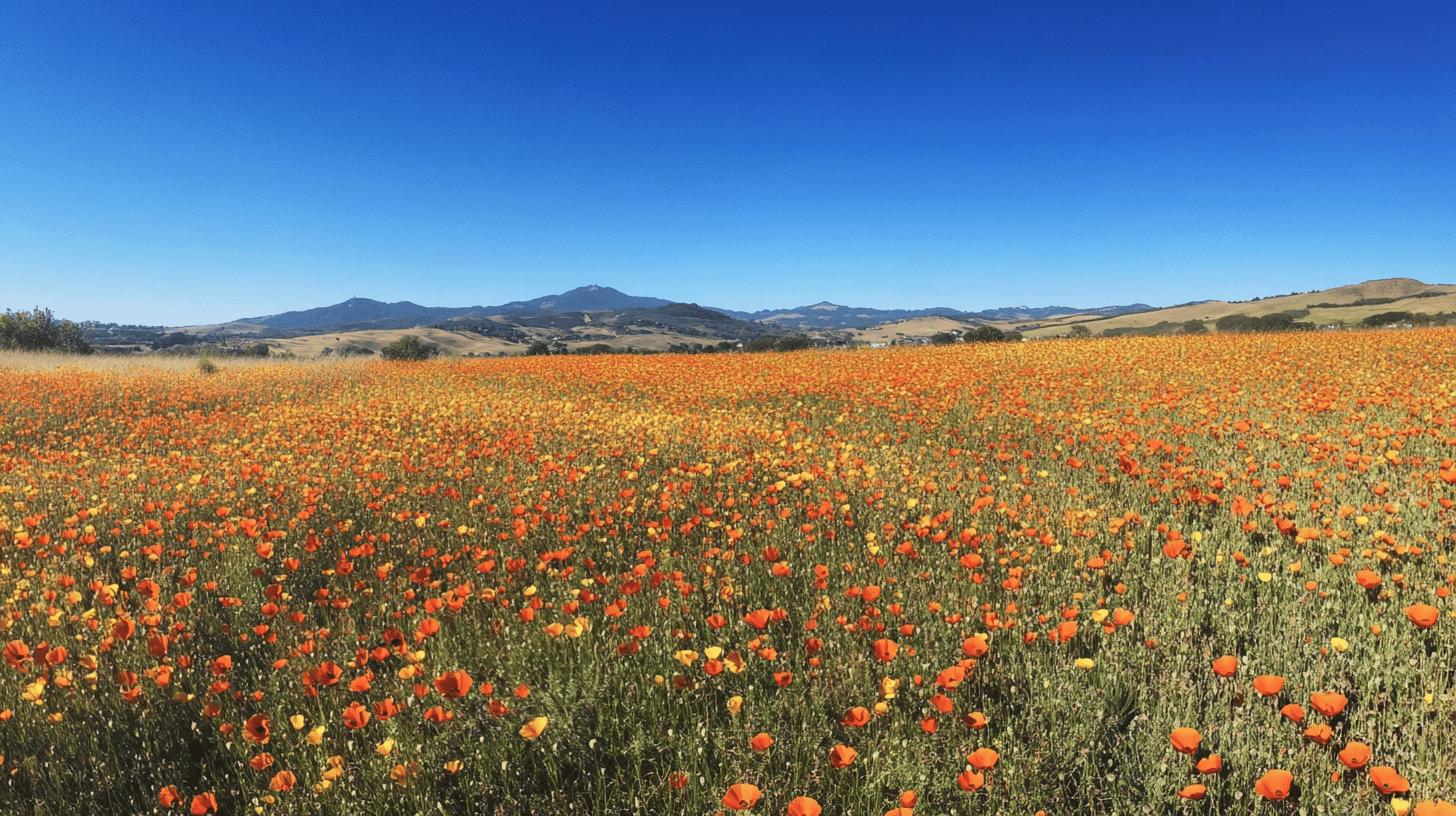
(1341, 306)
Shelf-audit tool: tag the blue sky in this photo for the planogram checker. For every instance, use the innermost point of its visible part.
(192, 162)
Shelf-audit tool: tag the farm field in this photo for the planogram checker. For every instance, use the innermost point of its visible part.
(1185, 574)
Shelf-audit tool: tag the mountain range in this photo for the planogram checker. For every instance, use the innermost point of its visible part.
(600, 318)
(365, 313)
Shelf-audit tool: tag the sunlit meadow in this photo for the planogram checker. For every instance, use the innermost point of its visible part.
(1188, 575)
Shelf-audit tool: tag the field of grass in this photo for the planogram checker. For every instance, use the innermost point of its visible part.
(1195, 575)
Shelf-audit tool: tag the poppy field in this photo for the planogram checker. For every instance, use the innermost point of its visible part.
(1175, 575)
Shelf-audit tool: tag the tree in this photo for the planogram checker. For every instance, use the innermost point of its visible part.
(943, 338)
(1081, 331)
(409, 347)
(796, 342)
(537, 348)
(39, 330)
(1194, 327)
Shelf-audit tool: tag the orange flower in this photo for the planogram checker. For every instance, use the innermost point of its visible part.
(971, 781)
(1328, 703)
(741, 796)
(1275, 784)
(168, 797)
(203, 803)
(1226, 666)
(804, 806)
(1194, 791)
(857, 717)
(255, 729)
(983, 759)
(1293, 712)
(453, 684)
(1424, 616)
(1211, 764)
(886, 649)
(1185, 740)
(1355, 755)
(1387, 781)
(356, 716)
(842, 756)
(1268, 685)
(283, 781)
(761, 741)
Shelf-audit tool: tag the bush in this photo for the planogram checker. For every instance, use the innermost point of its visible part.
(39, 330)
(943, 338)
(206, 366)
(409, 347)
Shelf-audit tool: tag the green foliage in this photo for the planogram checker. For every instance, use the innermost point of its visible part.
(409, 348)
(39, 330)
(1278, 322)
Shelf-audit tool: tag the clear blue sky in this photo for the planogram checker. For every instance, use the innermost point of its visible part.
(192, 162)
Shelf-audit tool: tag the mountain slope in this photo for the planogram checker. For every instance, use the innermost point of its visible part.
(591, 298)
(1337, 306)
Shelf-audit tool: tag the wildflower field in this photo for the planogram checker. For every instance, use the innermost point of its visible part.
(1188, 575)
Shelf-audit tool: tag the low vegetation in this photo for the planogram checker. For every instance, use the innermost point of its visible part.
(1192, 575)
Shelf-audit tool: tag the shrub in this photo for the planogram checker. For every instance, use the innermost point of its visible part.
(410, 348)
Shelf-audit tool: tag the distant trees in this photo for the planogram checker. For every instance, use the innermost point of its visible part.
(943, 338)
(1278, 322)
(793, 342)
(409, 347)
(1392, 318)
(1080, 331)
(39, 330)
(1194, 327)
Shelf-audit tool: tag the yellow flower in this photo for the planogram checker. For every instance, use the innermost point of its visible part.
(735, 704)
(1339, 644)
(386, 747)
(296, 721)
(533, 727)
(1084, 663)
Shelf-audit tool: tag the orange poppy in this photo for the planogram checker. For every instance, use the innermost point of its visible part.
(453, 684)
(857, 717)
(971, 781)
(1424, 616)
(983, 759)
(1388, 781)
(1328, 703)
(1226, 666)
(1275, 784)
(203, 804)
(885, 650)
(256, 729)
(1211, 764)
(1268, 685)
(283, 781)
(842, 756)
(1185, 740)
(804, 806)
(741, 796)
(761, 741)
(356, 716)
(1355, 755)
(1194, 791)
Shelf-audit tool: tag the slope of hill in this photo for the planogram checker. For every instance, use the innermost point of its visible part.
(1340, 306)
